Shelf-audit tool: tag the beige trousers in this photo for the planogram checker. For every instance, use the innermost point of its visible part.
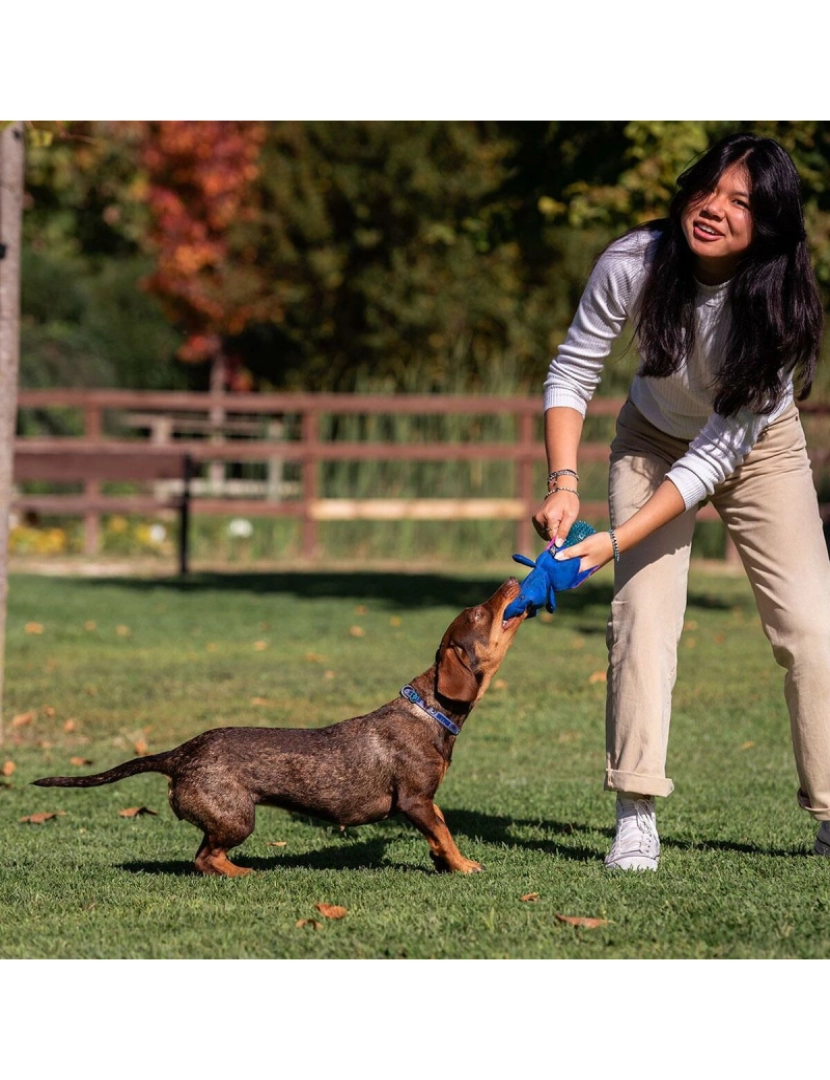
(769, 507)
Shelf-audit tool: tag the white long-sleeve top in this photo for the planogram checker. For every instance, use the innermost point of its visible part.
(680, 404)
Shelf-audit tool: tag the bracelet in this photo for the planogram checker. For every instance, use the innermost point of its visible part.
(614, 545)
(563, 472)
(554, 490)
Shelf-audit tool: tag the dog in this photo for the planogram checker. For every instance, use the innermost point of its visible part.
(390, 761)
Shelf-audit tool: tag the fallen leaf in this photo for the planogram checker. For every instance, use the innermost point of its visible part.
(329, 675)
(747, 745)
(361, 609)
(38, 819)
(141, 748)
(260, 645)
(8, 768)
(90, 625)
(395, 620)
(134, 811)
(545, 616)
(276, 843)
(581, 920)
(331, 911)
(123, 631)
(599, 676)
(211, 646)
(260, 701)
(569, 736)
(49, 710)
(357, 631)
(69, 726)
(690, 624)
(500, 684)
(33, 628)
(24, 718)
(530, 897)
(314, 658)
(79, 761)
(300, 923)
(578, 643)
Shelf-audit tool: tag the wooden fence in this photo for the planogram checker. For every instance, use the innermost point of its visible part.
(283, 432)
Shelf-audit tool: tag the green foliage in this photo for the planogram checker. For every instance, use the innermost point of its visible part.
(89, 323)
(157, 661)
(393, 253)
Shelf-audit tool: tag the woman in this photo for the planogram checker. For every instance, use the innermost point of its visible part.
(728, 324)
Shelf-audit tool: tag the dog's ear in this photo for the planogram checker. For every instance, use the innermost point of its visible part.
(456, 679)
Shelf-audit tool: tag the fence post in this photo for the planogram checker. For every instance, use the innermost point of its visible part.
(730, 552)
(310, 430)
(216, 469)
(524, 468)
(184, 514)
(93, 426)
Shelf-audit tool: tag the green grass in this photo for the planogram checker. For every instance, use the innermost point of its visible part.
(158, 660)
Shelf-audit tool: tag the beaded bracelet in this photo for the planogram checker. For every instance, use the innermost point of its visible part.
(563, 472)
(614, 545)
(556, 490)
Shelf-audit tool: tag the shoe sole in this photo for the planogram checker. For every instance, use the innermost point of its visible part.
(637, 862)
(821, 848)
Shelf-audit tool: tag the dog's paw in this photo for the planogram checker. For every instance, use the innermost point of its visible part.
(457, 866)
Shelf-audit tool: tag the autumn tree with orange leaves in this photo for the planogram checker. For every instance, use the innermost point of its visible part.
(199, 179)
(342, 255)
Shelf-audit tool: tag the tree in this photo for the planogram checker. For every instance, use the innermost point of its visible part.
(336, 255)
(11, 210)
(199, 176)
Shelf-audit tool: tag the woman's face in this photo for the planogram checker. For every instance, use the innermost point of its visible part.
(718, 226)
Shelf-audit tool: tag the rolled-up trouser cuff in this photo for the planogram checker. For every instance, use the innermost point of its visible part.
(820, 813)
(640, 785)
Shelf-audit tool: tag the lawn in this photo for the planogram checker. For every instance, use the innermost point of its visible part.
(101, 669)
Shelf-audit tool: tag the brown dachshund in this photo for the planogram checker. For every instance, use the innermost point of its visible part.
(390, 761)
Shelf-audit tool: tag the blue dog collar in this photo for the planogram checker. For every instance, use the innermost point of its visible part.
(411, 694)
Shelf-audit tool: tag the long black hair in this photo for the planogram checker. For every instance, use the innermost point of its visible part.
(777, 316)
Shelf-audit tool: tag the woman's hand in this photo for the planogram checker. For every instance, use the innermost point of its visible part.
(555, 516)
(593, 552)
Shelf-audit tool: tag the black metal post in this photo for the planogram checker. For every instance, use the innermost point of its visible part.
(184, 513)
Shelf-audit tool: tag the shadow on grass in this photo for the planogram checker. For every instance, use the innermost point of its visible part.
(400, 590)
(409, 590)
(370, 854)
(565, 839)
(348, 852)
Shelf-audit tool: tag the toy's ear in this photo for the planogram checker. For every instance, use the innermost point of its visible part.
(456, 679)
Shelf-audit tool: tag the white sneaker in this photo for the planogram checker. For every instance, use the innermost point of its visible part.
(637, 845)
(822, 845)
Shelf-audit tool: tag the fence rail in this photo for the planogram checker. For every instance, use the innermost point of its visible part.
(213, 430)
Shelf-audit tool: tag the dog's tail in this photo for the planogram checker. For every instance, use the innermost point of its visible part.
(152, 763)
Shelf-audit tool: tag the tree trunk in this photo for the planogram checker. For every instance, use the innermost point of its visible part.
(11, 213)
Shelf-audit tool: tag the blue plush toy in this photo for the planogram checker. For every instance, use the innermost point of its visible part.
(548, 577)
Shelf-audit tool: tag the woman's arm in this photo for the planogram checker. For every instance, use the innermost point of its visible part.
(556, 514)
(665, 504)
